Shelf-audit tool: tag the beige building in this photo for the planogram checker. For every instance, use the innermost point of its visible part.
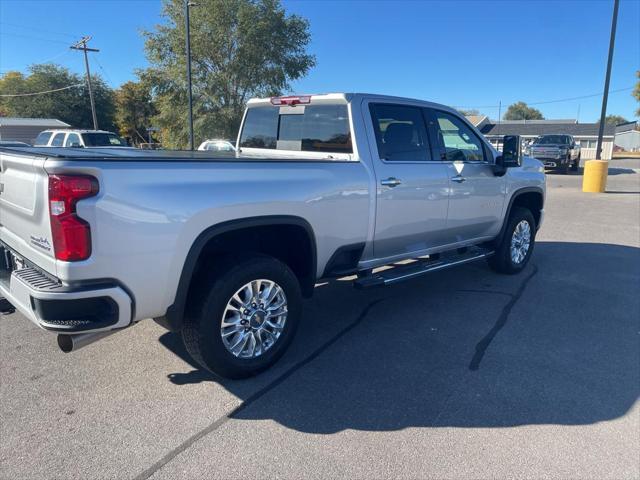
(586, 134)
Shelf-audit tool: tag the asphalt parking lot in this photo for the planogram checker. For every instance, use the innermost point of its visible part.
(461, 374)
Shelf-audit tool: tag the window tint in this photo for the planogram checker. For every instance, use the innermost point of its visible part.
(42, 139)
(260, 128)
(57, 140)
(72, 138)
(400, 133)
(103, 140)
(320, 128)
(553, 140)
(460, 143)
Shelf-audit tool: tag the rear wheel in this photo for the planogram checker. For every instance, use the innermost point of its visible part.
(516, 246)
(244, 316)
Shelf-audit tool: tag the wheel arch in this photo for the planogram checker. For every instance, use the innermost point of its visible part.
(302, 260)
(531, 198)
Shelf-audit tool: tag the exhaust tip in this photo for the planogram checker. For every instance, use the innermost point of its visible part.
(65, 342)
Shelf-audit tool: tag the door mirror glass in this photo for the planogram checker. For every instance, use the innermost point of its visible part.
(511, 151)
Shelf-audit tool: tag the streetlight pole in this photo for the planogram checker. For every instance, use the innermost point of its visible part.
(188, 4)
(605, 97)
(596, 171)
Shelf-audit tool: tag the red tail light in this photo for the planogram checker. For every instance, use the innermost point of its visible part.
(71, 234)
(293, 100)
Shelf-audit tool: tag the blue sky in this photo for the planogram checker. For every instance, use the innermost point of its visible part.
(463, 53)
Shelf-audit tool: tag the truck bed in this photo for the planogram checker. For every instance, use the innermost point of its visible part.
(134, 154)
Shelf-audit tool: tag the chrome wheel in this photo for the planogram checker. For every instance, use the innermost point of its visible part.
(254, 319)
(520, 242)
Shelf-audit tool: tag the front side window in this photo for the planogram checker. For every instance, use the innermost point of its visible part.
(100, 139)
(57, 140)
(42, 140)
(459, 142)
(308, 128)
(73, 140)
(401, 133)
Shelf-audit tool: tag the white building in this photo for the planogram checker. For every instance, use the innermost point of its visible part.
(628, 137)
(26, 129)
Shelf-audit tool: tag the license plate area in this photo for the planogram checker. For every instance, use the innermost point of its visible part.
(9, 263)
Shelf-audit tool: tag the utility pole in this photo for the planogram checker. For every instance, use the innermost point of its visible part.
(188, 4)
(605, 97)
(82, 45)
(596, 171)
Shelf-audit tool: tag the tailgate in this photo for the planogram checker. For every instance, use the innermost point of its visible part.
(24, 214)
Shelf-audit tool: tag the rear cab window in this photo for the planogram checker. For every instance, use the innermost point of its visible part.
(321, 128)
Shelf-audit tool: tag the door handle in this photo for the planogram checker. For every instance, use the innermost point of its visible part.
(390, 182)
(458, 179)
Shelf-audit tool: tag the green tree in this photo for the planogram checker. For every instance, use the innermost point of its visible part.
(240, 49)
(71, 105)
(613, 120)
(521, 111)
(134, 109)
(636, 92)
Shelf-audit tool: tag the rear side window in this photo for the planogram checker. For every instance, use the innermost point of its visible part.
(57, 140)
(42, 139)
(401, 133)
(73, 139)
(308, 128)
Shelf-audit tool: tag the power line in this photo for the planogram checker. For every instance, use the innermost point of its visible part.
(41, 93)
(61, 54)
(47, 40)
(568, 99)
(38, 29)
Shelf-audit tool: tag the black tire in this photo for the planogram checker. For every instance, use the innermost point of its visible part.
(501, 261)
(576, 164)
(201, 333)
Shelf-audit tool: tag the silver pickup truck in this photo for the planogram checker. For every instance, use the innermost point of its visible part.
(222, 249)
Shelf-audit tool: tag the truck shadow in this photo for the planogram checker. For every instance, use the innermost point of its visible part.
(559, 344)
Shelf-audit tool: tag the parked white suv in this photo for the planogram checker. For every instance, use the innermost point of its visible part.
(79, 138)
(217, 146)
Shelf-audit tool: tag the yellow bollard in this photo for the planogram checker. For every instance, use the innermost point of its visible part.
(595, 176)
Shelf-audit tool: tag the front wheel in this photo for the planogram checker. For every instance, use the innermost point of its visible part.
(516, 246)
(576, 165)
(244, 315)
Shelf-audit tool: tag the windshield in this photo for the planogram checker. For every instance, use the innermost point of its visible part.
(310, 128)
(553, 140)
(102, 140)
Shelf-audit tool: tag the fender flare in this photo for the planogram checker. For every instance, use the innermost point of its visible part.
(515, 195)
(173, 318)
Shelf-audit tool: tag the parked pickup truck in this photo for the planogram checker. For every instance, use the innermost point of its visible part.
(223, 249)
(559, 152)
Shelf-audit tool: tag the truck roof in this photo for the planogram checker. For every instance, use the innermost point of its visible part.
(344, 97)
